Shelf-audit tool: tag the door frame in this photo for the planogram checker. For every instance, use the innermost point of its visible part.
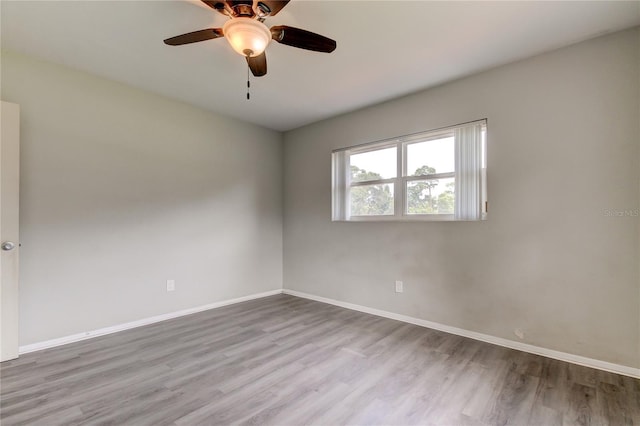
(9, 226)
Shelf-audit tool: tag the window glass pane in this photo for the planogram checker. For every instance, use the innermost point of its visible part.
(371, 200)
(434, 156)
(373, 165)
(433, 196)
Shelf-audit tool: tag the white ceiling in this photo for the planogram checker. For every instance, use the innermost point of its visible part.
(385, 48)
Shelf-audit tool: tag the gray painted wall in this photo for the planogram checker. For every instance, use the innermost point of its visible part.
(122, 190)
(563, 146)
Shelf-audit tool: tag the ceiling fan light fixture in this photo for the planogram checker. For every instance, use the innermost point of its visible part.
(247, 36)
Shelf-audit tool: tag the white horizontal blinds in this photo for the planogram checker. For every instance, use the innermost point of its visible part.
(339, 197)
(469, 152)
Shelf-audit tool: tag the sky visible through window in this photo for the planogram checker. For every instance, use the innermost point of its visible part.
(438, 154)
(382, 162)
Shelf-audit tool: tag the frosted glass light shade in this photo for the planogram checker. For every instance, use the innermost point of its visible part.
(247, 36)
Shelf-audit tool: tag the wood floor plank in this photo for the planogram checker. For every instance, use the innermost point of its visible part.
(284, 360)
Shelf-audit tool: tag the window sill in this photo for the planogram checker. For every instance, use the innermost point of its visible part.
(407, 218)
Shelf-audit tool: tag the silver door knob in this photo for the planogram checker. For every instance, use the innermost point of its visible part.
(8, 245)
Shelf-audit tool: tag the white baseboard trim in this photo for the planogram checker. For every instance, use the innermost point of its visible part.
(550, 353)
(139, 323)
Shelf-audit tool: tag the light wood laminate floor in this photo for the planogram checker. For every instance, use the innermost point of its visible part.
(283, 360)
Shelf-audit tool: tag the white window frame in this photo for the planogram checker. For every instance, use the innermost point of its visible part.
(394, 181)
(342, 178)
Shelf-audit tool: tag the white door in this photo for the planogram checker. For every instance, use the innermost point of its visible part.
(9, 241)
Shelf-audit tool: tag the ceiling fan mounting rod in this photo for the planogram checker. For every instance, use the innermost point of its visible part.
(243, 10)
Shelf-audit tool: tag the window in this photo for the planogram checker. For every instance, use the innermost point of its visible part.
(435, 175)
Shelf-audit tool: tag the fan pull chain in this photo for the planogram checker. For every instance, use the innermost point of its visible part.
(248, 84)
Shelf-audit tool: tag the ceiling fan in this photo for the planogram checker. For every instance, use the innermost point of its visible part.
(249, 36)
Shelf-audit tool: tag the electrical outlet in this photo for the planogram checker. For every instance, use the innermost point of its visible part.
(399, 287)
(171, 285)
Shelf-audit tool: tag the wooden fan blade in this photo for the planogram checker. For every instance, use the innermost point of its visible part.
(302, 39)
(258, 64)
(195, 36)
(274, 6)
